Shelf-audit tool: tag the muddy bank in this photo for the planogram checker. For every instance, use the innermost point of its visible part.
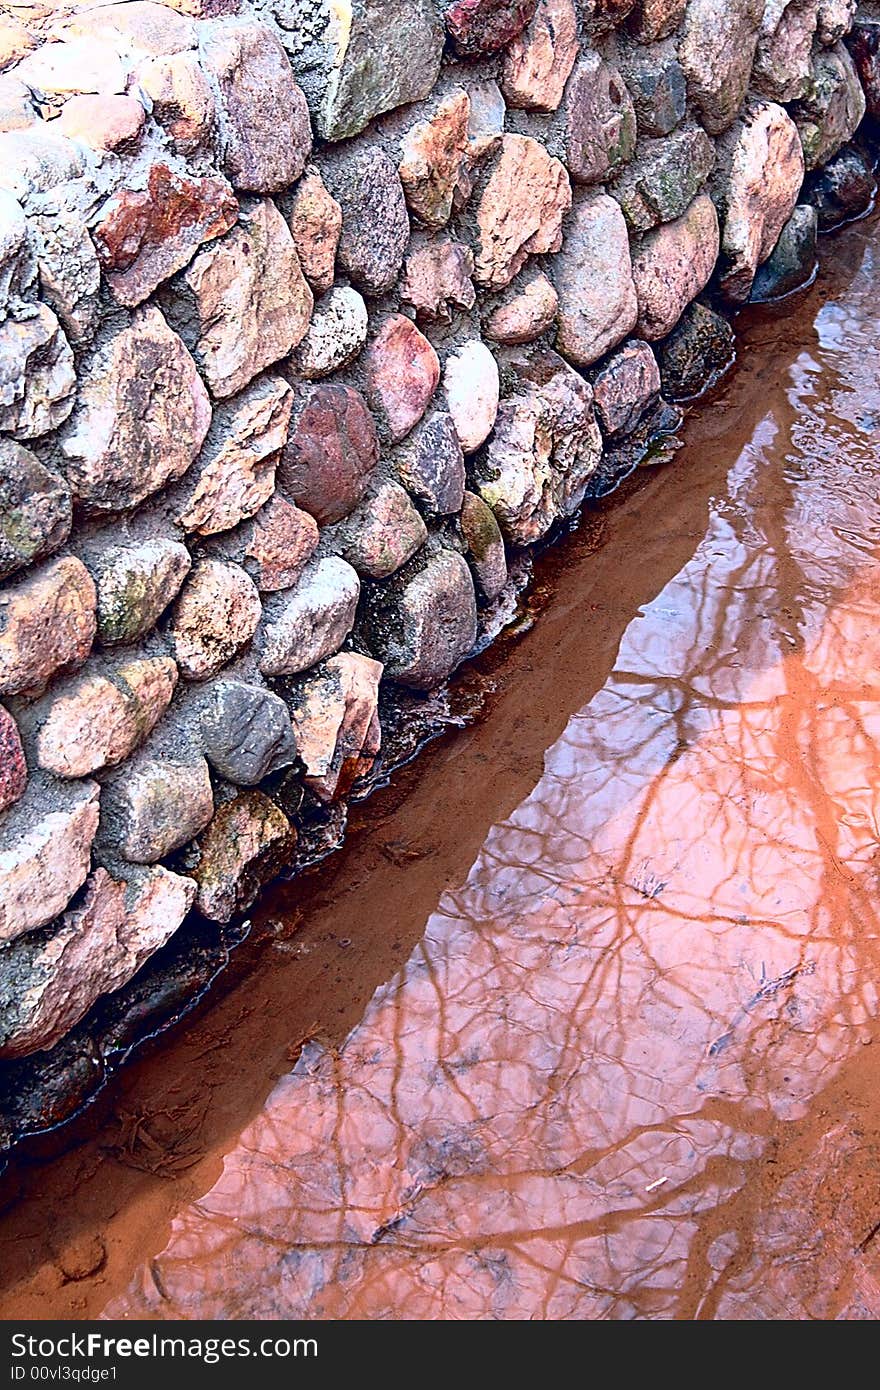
(605, 1047)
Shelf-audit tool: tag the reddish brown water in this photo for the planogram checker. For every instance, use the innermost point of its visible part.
(592, 1009)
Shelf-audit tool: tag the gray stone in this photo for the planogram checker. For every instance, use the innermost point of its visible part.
(135, 584)
(35, 508)
(833, 108)
(700, 348)
(600, 121)
(246, 732)
(336, 334)
(423, 622)
(151, 807)
(594, 282)
(430, 463)
(310, 621)
(664, 177)
(375, 225)
(626, 388)
(793, 260)
(484, 546)
(844, 189)
(382, 533)
(657, 86)
(358, 62)
(37, 380)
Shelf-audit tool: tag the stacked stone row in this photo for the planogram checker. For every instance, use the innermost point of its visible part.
(308, 314)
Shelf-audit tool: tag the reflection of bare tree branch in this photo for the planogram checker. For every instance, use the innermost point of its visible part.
(565, 1103)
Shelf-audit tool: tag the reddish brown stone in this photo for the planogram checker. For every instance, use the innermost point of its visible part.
(331, 453)
(282, 539)
(484, 26)
(13, 768)
(402, 374)
(145, 235)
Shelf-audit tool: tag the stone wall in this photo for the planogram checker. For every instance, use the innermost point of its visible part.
(312, 316)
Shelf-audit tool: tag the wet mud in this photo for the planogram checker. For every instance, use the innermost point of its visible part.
(582, 1021)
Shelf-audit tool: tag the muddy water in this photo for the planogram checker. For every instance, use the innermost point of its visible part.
(584, 1020)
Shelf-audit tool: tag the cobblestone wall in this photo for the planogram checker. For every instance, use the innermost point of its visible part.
(312, 315)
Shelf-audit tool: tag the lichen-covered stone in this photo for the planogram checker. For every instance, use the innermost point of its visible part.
(35, 508)
(49, 982)
(437, 277)
(422, 623)
(833, 108)
(335, 336)
(835, 19)
(44, 855)
(267, 137)
(146, 234)
(135, 584)
(600, 121)
(375, 227)
(99, 717)
(755, 190)
(243, 303)
(657, 86)
(141, 416)
(697, 352)
(335, 714)
(626, 388)
(151, 806)
(538, 61)
(471, 387)
(354, 62)
(845, 188)
(315, 224)
(57, 599)
(594, 281)
(246, 842)
(519, 211)
(403, 371)
(245, 732)
(793, 259)
(13, 767)
(310, 621)
(546, 445)
(280, 541)
(665, 177)
(430, 463)
(382, 533)
(672, 264)
(716, 50)
(524, 311)
(484, 546)
(331, 452)
(216, 614)
(235, 472)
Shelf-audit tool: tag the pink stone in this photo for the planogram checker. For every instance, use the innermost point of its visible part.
(216, 615)
(672, 264)
(431, 159)
(403, 371)
(282, 540)
(334, 712)
(520, 210)
(538, 62)
(315, 224)
(524, 312)
(104, 122)
(13, 768)
(47, 622)
(436, 274)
